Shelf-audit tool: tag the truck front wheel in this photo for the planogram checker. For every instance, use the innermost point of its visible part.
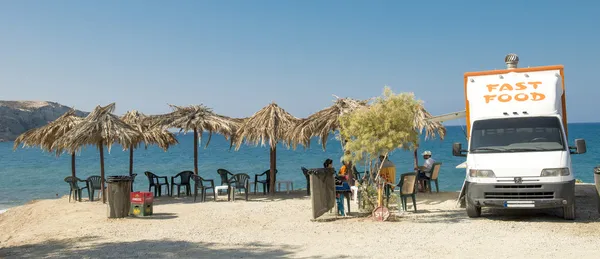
(472, 210)
(569, 211)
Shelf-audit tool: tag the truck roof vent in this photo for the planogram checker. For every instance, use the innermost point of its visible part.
(505, 113)
(524, 112)
(511, 61)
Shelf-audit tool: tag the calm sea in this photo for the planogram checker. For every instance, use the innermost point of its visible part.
(27, 174)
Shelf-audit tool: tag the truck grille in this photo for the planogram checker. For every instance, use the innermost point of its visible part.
(519, 195)
(521, 186)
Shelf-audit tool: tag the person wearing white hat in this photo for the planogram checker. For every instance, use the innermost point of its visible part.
(424, 171)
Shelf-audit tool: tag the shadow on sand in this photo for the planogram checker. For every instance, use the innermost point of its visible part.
(92, 247)
(157, 216)
(586, 210)
(585, 200)
(239, 197)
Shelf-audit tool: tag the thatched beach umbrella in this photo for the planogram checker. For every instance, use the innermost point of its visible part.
(271, 124)
(100, 128)
(197, 118)
(323, 122)
(151, 134)
(46, 136)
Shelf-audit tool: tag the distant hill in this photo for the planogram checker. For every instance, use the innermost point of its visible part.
(17, 117)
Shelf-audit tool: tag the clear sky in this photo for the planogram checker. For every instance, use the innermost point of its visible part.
(237, 56)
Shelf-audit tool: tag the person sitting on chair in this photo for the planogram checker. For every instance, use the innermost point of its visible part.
(424, 171)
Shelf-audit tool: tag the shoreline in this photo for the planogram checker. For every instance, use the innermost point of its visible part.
(5, 209)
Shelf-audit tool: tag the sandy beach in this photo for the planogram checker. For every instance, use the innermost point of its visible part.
(282, 228)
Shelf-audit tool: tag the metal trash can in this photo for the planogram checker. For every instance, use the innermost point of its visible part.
(597, 183)
(119, 188)
(322, 190)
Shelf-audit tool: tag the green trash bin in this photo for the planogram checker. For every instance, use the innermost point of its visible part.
(119, 189)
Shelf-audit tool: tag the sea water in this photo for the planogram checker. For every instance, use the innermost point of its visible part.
(27, 174)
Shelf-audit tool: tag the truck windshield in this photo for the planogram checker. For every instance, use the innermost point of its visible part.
(517, 135)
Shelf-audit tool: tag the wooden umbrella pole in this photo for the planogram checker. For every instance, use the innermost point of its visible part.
(416, 158)
(370, 170)
(379, 179)
(272, 170)
(101, 147)
(275, 166)
(130, 160)
(379, 194)
(195, 151)
(73, 164)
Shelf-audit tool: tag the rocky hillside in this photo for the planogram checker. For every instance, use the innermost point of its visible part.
(17, 117)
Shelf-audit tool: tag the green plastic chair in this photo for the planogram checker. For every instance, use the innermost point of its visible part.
(132, 180)
(435, 172)
(408, 188)
(305, 172)
(224, 176)
(199, 185)
(236, 183)
(266, 183)
(154, 181)
(75, 190)
(358, 176)
(184, 181)
(94, 183)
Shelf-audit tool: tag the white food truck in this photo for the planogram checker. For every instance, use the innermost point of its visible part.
(518, 154)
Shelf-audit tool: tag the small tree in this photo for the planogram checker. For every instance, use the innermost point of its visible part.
(386, 125)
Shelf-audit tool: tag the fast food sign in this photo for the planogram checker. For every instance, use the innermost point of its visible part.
(518, 92)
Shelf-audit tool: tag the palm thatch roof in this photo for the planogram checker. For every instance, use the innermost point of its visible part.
(431, 129)
(270, 124)
(47, 135)
(196, 118)
(100, 128)
(237, 124)
(151, 134)
(323, 122)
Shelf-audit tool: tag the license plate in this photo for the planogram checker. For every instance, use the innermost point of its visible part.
(519, 204)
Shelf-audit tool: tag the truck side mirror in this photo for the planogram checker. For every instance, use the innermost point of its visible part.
(457, 150)
(580, 145)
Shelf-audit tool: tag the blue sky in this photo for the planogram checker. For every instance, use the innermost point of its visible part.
(237, 56)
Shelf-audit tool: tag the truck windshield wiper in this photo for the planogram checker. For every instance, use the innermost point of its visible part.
(528, 149)
(488, 149)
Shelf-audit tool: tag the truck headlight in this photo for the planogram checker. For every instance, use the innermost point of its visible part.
(555, 172)
(481, 173)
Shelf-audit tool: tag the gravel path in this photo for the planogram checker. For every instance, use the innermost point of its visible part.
(282, 227)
